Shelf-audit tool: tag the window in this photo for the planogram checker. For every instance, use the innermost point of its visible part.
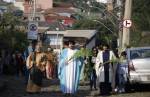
(54, 40)
(141, 53)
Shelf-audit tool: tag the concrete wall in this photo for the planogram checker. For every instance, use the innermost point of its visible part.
(44, 4)
(19, 5)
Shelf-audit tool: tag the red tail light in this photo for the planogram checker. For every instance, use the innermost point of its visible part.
(131, 66)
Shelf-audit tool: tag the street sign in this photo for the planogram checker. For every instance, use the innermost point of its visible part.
(32, 30)
(127, 23)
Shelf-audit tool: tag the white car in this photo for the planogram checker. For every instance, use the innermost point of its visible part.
(138, 65)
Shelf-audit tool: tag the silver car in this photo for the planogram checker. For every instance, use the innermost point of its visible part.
(138, 65)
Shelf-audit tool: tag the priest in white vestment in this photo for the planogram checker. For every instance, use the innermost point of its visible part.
(104, 69)
(69, 69)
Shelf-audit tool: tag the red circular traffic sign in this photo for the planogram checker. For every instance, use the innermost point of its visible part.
(127, 23)
(33, 27)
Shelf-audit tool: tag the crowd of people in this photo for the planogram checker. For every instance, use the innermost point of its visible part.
(103, 71)
(107, 70)
(12, 63)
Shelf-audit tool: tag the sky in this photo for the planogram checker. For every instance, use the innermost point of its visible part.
(9, 1)
(102, 1)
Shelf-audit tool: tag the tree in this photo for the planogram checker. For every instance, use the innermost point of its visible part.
(141, 22)
(11, 35)
(105, 35)
(140, 18)
(108, 25)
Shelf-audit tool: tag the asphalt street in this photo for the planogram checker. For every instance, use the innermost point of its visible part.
(15, 87)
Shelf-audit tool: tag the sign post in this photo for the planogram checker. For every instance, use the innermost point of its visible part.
(127, 23)
(32, 30)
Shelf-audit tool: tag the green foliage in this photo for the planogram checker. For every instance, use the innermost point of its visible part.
(141, 14)
(84, 24)
(83, 52)
(97, 9)
(11, 36)
(141, 22)
(104, 35)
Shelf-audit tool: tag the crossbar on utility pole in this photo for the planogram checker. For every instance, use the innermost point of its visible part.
(104, 25)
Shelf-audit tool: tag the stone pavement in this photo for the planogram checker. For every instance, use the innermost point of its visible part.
(3, 84)
(15, 87)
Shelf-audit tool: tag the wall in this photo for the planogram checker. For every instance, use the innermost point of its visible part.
(39, 4)
(19, 5)
(44, 4)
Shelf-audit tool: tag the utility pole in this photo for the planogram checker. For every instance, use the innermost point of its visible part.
(119, 4)
(34, 9)
(126, 31)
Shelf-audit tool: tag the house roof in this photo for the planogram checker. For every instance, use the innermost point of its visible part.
(75, 33)
(40, 23)
(3, 3)
(61, 4)
(19, 0)
(57, 17)
(59, 10)
(43, 26)
(80, 33)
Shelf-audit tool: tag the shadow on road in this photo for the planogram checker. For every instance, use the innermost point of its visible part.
(15, 87)
(139, 88)
(142, 87)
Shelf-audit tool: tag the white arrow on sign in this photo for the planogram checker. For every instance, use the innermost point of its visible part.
(127, 23)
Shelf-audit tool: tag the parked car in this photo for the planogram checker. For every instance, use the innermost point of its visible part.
(138, 65)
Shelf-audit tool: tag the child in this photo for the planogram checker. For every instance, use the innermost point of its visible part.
(122, 72)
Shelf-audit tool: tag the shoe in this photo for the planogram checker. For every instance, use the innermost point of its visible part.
(115, 89)
(123, 90)
(120, 91)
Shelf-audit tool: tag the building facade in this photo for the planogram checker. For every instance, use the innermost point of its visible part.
(85, 38)
(44, 4)
(19, 4)
(40, 4)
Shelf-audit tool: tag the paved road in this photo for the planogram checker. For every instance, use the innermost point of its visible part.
(16, 88)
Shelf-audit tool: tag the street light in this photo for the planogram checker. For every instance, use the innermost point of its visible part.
(103, 25)
(118, 17)
(103, 12)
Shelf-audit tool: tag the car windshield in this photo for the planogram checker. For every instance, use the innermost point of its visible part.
(140, 53)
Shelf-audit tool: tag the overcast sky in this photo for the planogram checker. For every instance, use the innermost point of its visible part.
(102, 1)
(9, 0)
